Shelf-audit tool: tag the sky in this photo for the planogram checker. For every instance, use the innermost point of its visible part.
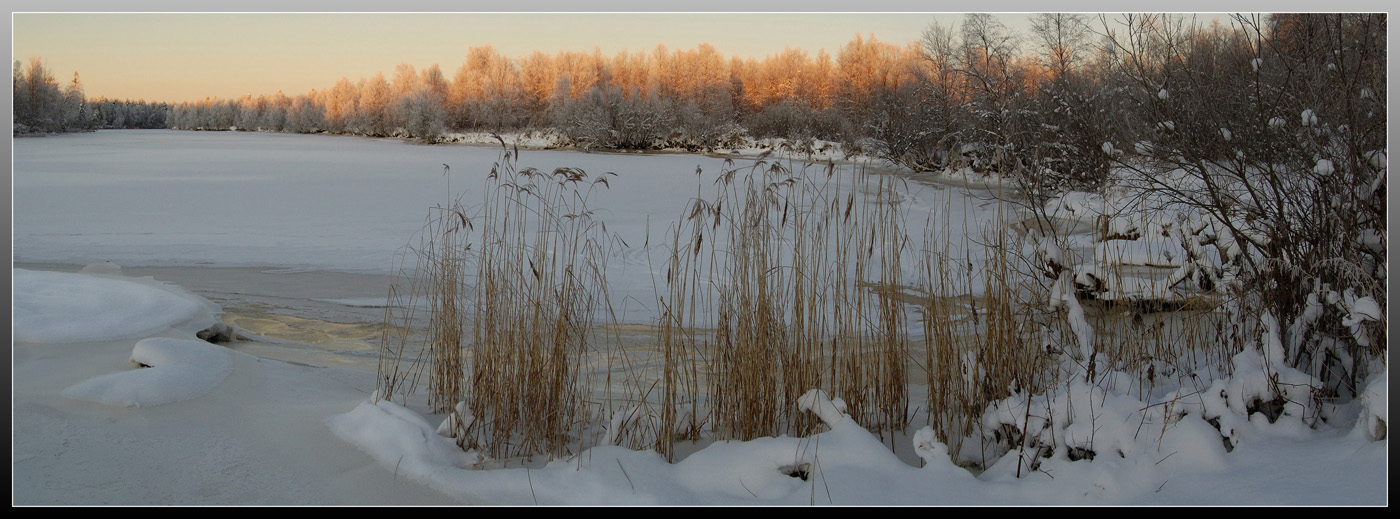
(177, 57)
(169, 55)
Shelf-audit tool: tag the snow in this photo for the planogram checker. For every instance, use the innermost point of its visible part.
(1309, 117)
(742, 146)
(1366, 308)
(210, 424)
(1323, 168)
(275, 433)
(1082, 330)
(173, 370)
(53, 307)
(1373, 420)
(1377, 158)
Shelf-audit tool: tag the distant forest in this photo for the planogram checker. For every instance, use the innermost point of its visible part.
(41, 105)
(1059, 104)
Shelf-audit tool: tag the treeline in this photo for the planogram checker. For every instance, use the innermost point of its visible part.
(42, 106)
(693, 98)
(1055, 107)
(1060, 102)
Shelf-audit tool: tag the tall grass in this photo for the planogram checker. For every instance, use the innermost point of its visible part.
(446, 263)
(538, 299)
(777, 281)
(951, 376)
(802, 282)
(440, 260)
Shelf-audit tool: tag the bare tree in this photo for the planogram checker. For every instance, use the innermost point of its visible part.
(1275, 129)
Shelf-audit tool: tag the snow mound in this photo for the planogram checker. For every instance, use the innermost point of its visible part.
(829, 410)
(846, 459)
(179, 369)
(1373, 419)
(57, 307)
(398, 437)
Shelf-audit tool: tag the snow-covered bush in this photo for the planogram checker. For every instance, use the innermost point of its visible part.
(605, 118)
(1291, 207)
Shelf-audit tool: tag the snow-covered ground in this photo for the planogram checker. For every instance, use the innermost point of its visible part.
(811, 149)
(115, 402)
(208, 425)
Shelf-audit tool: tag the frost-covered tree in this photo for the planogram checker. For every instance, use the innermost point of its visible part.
(341, 103)
(402, 88)
(425, 117)
(304, 115)
(1066, 128)
(75, 114)
(1276, 129)
(372, 115)
(986, 57)
(38, 99)
(274, 117)
(605, 118)
(485, 92)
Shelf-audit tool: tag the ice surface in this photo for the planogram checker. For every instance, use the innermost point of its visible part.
(312, 202)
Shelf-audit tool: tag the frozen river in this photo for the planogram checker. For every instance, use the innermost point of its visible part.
(172, 198)
(279, 227)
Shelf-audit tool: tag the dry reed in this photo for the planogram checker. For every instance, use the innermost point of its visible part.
(780, 282)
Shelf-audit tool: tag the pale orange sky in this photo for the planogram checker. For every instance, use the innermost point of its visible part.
(180, 57)
(189, 56)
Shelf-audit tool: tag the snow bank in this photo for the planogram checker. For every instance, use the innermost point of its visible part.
(57, 307)
(844, 465)
(399, 438)
(179, 369)
(1373, 420)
